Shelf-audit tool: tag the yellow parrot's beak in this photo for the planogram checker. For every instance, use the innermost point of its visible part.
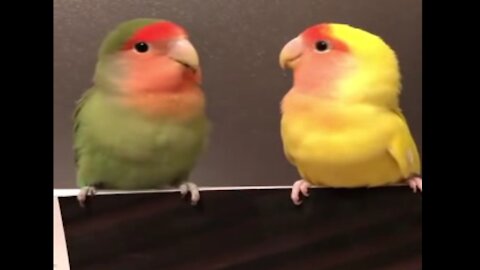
(291, 52)
(183, 52)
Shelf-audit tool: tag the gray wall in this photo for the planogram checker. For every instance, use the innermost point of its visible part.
(238, 42)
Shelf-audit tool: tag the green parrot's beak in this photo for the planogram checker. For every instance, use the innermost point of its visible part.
(182, 51)
(291, 52)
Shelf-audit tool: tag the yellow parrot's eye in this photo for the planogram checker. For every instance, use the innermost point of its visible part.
(322, 46)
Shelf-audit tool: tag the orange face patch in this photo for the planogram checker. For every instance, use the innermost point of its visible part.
(183, 105)
(159, 31)
(323, 32)
(150, 73)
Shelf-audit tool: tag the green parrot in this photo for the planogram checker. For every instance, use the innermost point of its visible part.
(142, 125)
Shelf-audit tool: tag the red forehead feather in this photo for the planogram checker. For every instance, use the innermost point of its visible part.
(157, 31)
(324, 32)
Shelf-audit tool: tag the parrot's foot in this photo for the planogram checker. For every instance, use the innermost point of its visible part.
(84, 193)
(193, 189)
(415, 183)
(299, 186)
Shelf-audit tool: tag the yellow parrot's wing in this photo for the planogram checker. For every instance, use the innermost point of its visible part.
(403, 148)
(289, 157)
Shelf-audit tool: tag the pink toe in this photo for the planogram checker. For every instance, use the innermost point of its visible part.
(415, 184)
(304, 189)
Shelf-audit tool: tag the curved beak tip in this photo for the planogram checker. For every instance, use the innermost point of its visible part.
(183, 52)
(290, 52)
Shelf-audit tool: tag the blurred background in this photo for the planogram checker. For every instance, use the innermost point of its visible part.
(238, 42)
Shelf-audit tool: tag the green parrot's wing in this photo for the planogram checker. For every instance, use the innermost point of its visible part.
(76, 121)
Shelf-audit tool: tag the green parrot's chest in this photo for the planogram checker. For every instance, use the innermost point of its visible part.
(134, 136)
(142, 140)
(128, 150)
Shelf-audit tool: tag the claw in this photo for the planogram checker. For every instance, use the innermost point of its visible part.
(415, 183)
(300, 186)
(193, 189)
(84, 193)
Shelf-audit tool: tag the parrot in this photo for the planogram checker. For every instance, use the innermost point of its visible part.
(142, 124)
(341, 123)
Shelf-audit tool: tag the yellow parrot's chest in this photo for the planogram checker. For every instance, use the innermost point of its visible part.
(341, 146)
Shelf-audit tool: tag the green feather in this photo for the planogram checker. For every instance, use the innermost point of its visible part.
(116, 38)
(120, 149)
(117, 147)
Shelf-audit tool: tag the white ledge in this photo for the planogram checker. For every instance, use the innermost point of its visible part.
(74, 192)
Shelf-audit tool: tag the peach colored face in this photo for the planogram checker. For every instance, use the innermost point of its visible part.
(316, 57)
(157, 58)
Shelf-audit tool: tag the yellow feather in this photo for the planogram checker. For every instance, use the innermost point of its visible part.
(360, 137)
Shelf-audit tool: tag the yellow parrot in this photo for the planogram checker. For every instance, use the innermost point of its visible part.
(341, 124)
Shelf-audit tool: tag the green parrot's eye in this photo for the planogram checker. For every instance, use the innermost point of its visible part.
(141, 47)
(322, 46)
